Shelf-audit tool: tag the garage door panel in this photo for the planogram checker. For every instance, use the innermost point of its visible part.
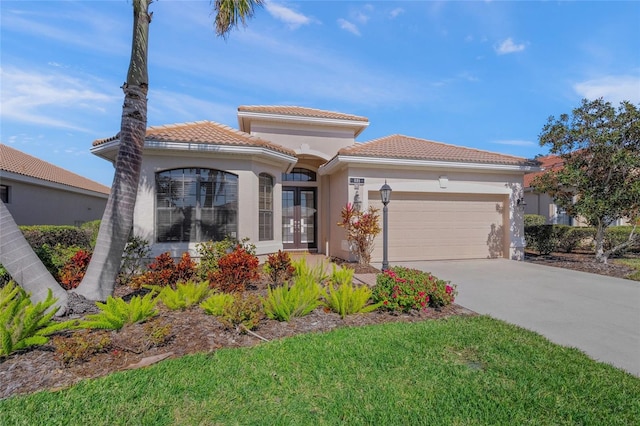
(436, 226)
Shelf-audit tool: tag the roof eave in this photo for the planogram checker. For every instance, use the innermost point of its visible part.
(336, 162)
(106, 150)
(4, 174)
(244, 118)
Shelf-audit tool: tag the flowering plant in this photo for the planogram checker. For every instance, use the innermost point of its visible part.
(362, 228)
(404, 289)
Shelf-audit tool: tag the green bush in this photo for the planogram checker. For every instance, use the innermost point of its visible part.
(244, 313)
(294, 299)
(92, 228)
(615, 235)
(540, 238)
(534, 219)
(217, 303)
(38, 235)
(184, 295)
(568, 238)
(23, 324)
(347, 299)
(116, 313)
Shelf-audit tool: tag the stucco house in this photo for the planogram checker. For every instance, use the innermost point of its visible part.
(542, 204)
(39, 193)
(282, 178)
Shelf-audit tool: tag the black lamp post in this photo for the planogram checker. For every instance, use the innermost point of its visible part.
(385, 194)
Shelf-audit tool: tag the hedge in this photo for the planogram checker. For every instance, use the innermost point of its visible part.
(546, 239)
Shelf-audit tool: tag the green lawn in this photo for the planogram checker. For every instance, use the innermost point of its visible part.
(459, 371)
(634, 263)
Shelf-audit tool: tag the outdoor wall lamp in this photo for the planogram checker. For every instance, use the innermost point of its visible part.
(385, 195)
(357, 203)
(520, 202)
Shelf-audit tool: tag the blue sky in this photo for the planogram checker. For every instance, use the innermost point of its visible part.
(482, 74)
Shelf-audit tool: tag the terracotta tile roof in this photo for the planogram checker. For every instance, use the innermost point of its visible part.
(14, 161)
(552, 162)
(405, 147)
(300, 112)
(204, 132)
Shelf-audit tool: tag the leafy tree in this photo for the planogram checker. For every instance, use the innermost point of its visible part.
(600, 178)
(99, 281)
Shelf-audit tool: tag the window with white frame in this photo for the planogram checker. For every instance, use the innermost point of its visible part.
(265, 207)
(196, 205)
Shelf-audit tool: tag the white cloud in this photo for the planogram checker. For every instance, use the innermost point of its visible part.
(508, 46)
(612, 88)
(396, 12)
(292, 18)
(515, 142)
(348, 26)
(48, 99)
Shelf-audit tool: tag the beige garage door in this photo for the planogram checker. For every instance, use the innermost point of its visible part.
(425, 226)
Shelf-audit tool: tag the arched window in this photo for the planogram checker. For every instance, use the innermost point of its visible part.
(265, 207)
(195, 205)
(298, 174)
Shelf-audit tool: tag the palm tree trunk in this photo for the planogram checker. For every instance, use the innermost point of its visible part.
(117, 221)
(24, 266)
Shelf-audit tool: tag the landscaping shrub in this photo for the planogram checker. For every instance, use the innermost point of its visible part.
(235, 271)
(163, 272)
(245, 312)
(211, 252)
(116, 313)
(404, 289)
(81, 346)
(361, 228)
(540, 238)
(347, 299)
(133, 258)
(534, 219)
(23, 324)
(295, 299)
(38, 235)
(184, 295)
(568, 238)
(217, 303)
(316, 273)
(91, 229)
(73, 271)
(279, 268)
(615, 235)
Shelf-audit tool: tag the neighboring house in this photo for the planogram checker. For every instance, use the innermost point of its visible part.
(543, 204)
(38, 193)
(283, 178)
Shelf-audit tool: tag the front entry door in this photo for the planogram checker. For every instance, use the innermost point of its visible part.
(299, 218)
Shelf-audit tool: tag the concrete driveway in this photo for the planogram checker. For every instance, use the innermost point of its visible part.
(596, 314)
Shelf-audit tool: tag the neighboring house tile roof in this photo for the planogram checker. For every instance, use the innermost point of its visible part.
(300, 112)
(14, 161)
(204, 132)
(550, 162)
(405, 147)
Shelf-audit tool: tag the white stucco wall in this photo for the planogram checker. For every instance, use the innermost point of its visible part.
(440, 181)
(247, 169)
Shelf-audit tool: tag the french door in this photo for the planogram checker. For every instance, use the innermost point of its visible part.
(299, 214)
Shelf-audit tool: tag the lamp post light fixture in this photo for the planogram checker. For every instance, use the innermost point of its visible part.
(385, 195)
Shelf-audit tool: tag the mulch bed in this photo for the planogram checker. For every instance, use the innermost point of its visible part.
(581, 261)
(192, 331)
